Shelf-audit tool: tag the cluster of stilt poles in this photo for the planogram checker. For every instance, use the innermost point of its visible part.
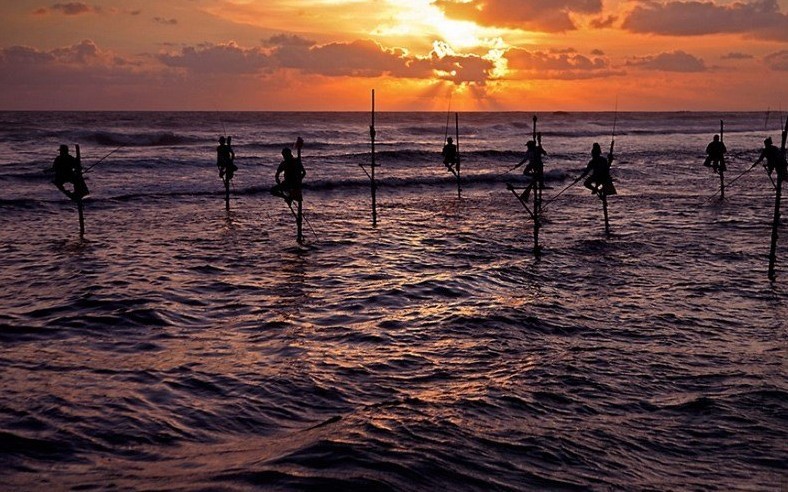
(534, 208)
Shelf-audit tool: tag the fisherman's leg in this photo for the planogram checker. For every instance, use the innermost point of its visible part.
(64, 191)
(276, 190)
(589, 183)
(527, 191)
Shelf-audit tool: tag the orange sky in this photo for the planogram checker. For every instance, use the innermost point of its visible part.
(327, 54)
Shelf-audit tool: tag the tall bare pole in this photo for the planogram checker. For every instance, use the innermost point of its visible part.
(374, 185)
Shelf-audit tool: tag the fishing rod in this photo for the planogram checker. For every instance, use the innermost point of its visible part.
(102, 159)
(561, 192)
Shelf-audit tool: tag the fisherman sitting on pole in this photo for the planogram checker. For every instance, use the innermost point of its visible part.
(224, 160)
(774, 159)
(294, 172)
(231, 167)
(68, 169)
(449, 154)
(535, 167)
(715, 155)
(599, 167)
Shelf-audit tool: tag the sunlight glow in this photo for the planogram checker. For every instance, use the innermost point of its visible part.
(423, 18)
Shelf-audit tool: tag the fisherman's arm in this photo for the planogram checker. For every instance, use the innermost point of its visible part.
(279, 171)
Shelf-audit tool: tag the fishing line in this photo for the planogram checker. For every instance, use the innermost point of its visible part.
(102, 159)
(448, 114)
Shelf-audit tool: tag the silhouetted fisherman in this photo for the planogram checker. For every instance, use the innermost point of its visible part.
(774, 159)
(224, 159)
(600, 180)
(68, 169)
(715, 155)
(293, 170)
(449, 154)
(535, 167)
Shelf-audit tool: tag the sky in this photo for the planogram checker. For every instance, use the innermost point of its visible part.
(326, 55)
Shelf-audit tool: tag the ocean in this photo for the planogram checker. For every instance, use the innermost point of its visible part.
(180, 346)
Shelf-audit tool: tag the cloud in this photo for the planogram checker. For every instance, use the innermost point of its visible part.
(564, 64)
(735, 55)
(218, 59)
(777, 61)
(675, 61)
(166, 22)
(755, 18)
(360, 58)
(533, 15)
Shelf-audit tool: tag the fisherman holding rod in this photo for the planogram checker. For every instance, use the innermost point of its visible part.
(68, 169)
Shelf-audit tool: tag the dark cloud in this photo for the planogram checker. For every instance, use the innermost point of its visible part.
(288, 40)
(675, 61)
(218, 59)
(166, 22)
(79, 8)
(604, 22)
(755, 18)
(532, 15)
(564, 64)
(74, 8)
(777, 61)
(735, 55)
(81, 64)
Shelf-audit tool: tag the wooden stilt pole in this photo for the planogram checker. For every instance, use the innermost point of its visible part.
(536, 189)
(778, 197)
(374, 185)
(81, 219)
(227, 194)
(721, 166)
(457, 137)
(775, 227)
(604, 210)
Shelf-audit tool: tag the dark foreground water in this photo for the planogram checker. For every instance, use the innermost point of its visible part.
(183, 347)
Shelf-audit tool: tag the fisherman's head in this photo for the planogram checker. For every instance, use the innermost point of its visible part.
(449, 140)
(286, 152)
(716, 138)
(63, 149)
(221, 140)
(530, 144)
(596, 150)
(768, 142)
